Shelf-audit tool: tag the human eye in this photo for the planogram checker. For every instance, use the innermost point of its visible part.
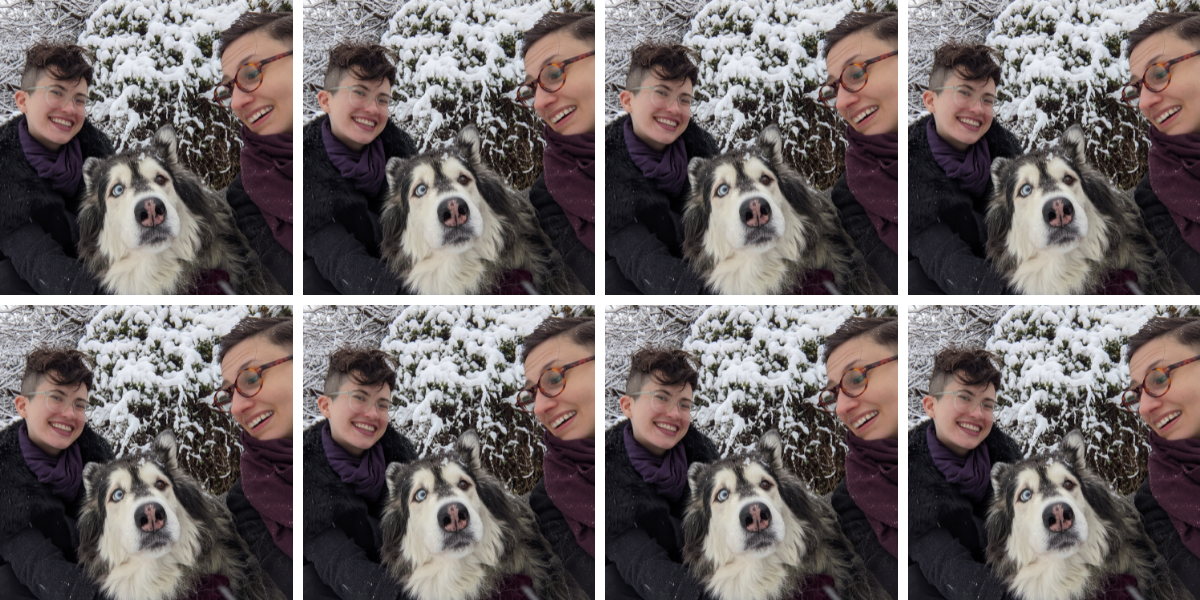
(661, 93)
(965, 94)
(552, 377)
(1159, 376)
(250, 377)
(685, 406)
(685, 100)
(383, 406)
(57, 93)
(1158, 73)
(989, 100)
(358, 93)
(855, 73)
(855, 377)
(552, 73)
(989, 406)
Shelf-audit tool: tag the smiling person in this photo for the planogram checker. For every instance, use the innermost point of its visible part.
(560, 85)
(41, 169)
(950, 173)
(861, 56)
(256, 84)
(646, 488)
(41, 472)
(950, 484)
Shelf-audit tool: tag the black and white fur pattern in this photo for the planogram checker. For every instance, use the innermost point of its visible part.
(1057, 532)
(148, 225)
(452, 226)
(452, 532)
(1056, 225)
(149, 531)
(753, 226)
(754, 532)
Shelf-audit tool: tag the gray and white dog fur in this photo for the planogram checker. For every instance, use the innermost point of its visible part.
(1057, 532)
(802, 230)
(1105, 233)
(739, 555)
(452, 532)
(132, 559)
(432, 253)
(132, 249)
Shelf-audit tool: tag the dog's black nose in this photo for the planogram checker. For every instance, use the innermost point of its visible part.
(755, 517)
(453, 212)
(151, 517)
(1058, 212)
(453, 517)
(1058, 517)
(755, 212)
(151, 212)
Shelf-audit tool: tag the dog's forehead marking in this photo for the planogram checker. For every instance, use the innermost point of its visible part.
(749, 173)
(119, 478)
(449, 167)
(147, 473)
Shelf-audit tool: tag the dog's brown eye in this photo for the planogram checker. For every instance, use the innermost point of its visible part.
(1069, 180)
(1068, 485)
(766, 485)
(463, 485)
(766, 179)
(464, 180)
(160, 180)
(160, 484)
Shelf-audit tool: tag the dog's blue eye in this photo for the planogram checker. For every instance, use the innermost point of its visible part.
(722, 190)
(117, 495)
(420, 191)
(722, 495)
(1026, 190)
(420, 495)
(118, 190)
(1026, 495)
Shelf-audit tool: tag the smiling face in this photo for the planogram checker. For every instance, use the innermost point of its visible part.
(961, 127)
(53, 430)
(268, 109)
(658, 127)
(873, 415)
(655, 430)
(871, 110)
(267, 415)
(1176, 414)
(356, 430)
(356, 127)
(53, 127)
(571, 415)
(571, 109)
(1176, 109)
(961, 431)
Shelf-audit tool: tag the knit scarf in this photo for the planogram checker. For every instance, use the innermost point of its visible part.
(972, 169)
(667, 169)
(1175, 177)
(872, 478)
(63, 473)
(872, 173)
(971, 473)
(1175, 483)
(667, 474)
(570, 162)
(569, 467)
(364, 473)
(267, 175)
(365, 168)
(267, 481)
(63, 168)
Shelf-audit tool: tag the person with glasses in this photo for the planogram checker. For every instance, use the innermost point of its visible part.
(646, 173)
(346, 151)
(1164, 369)
(560, 86)
(42, 152)
(256, 84)
(949, 467)
(861, 56)
(646, 484)
(345, 460)
(41, 474)
(1164, 87)
(256, 390)
(950, 173)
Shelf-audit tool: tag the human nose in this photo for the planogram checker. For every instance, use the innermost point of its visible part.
(541, 98)
(241, 100)
(1147, 99)
(240, 403)
(543, 404)
(1147, 404)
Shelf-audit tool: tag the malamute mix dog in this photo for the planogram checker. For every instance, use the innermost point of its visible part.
(452, 532)
(752, 226)
(452, 226)
(148, 531)
(1056, 226)
(754, 532)
(148, 225)
(1056, 532)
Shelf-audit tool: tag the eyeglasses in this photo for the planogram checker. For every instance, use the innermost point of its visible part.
(56, 97)
(852, 387)
(359, 97)
(56, 402)
(248, 78)
(1156, 79)
(966, 97)
(662, 404)
(1156, 383)
(248, 384)
(551, 78)
(966, 402)
(662, 99)
(551, 383)
(360, 403)
(853, 78)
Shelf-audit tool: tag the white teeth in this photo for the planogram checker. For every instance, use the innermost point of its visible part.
(562, 419)
(866, 113)
(562, 114)
(65, 428)
(260, 114)
(667, 426)
(1167, 419)
(864, 419)
(1169, 113)
(971, 426)
(364, 121)
(260, 418)
(667, 122)
(971, 122)
(368, 428)
(62, 122)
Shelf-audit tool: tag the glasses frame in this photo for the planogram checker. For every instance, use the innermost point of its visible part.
(866, 381)
(350, 87)
(977, 401)
(1138, 389)
(862, 65)
(979, 100)
(537, 387)
(221, 406)
(391, 406)
(48, 392)
(51, 104)
(676, 100)
(672, 402)
(533, 85)
(263, 77)
(1137, 85)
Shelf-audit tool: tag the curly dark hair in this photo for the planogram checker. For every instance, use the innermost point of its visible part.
(63, 366)
(368, 62)
(365, 366)
(580, 330)
(668, 62)
(883, 25)
(581, 26)
(64, 62)
(970, 366)
(277, 330)
(667, 366)
(885, 331)
(1185, 330)
(1186, 25)
(277, 25)
(971, 62)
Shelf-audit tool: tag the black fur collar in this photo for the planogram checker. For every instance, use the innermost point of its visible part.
(21, 494)
(326, 496)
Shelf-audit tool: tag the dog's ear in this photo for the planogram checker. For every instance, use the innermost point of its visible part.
(696, 171)
(695, 474)
(90, 472)
(395, 166)
(998, 470)
(468, 144)
(468, 447)
(165, 447)
(392, 476)
(91, 172)
(770, 143)
(166, 145)
(998, 165)
(1073, 445)
(1074, 142)
(771, 447)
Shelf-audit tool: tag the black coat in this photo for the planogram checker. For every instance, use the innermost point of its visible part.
(341, 528)
(553, 219)
(253, 224)
(858, 530)
(38, 232)
(644, 225)
(1162, 531)
(555, 529)
(1159, 223)
(644, 530)
(857, 223)
(947, 233)
(38, 534)
(947, 537)
(341, 223)
(250, 525)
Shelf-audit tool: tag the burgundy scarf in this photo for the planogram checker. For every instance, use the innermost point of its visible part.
(365, 168)
(972, 169)
(667, 169)
(570, 162)
(1175, 483)
(63, 473)
(1175, 177)
(365, 473)
(569, 468)
(267, 177)
(63, 168)
(971, 473)
(267, 481)
(872, 478)
(872, 172)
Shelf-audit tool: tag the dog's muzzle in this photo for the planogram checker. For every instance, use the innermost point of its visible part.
(755, 212)
(150, 212)
(454, 518)
(1059, 520)
(755, 519)
(151, 517)
(1059, 215)
(453, 212)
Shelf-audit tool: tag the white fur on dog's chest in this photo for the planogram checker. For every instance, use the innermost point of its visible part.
(1052, 273)
(747, 272)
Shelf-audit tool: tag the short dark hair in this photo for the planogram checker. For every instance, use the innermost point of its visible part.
(581, 26)
(368, 62)
(971, 366)
(971, 62)
(885, 331)
(668, 366)
(365, 366)
(580, 330)
(278, 25)
(1186, 25)
(668, 62)
(64, 62)
(63, 366)
(277, 330)
(883, 25)
(1185, 330)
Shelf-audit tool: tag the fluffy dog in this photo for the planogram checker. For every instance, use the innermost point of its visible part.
(148, 531)
(148, 225)
(1056, 532)
(752, 531)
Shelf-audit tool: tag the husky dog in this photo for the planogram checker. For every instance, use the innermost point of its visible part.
(148, 531)
(148, 225)
(1056, 532)
(452, 226)
(753, 531)
(1056, 226)
(452, 532)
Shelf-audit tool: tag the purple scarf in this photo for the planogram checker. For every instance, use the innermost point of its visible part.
(667, 169)
(872, 172)
(1175, 177)
(667, 474)
(971, 169)
(872, 478)
(971, 473)
(63, 168)
(63, 473)
(365, 473)
(267, 177)
(570, 162)
(570, 472)
(267, 481)
(1175, 483)
(365, 168)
